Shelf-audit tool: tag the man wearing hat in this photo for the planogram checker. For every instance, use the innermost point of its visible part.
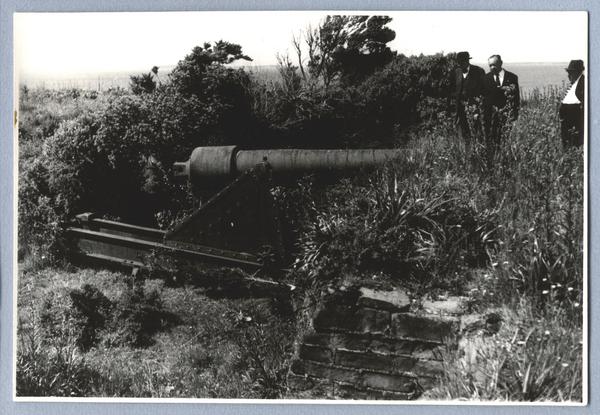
(466, 87)
(572, 108)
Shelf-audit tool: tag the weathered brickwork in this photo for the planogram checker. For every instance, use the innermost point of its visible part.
(368, 344)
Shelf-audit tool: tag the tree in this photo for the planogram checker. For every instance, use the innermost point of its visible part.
(143, 83)
(348, 48)
(190, 73)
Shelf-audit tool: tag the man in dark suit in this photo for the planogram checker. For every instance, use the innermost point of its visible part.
(501, 101)
(466, 87)
(572, 108)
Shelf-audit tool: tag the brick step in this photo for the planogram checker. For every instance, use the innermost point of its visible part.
(377, 344)
(340, 390)
(362, 379)
(372, 361)
(374, 344)
(361, 320)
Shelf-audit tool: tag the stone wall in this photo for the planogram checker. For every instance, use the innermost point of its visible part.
(369, 344)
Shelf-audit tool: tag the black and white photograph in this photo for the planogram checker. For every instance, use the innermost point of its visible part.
(301, 206)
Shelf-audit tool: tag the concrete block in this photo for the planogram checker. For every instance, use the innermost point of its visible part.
(397, 383)
(424, 328)
(453, 305)
(395, 300)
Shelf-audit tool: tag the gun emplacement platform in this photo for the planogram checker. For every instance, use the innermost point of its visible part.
(239, 225)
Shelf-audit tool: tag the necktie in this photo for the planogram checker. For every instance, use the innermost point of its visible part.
(497, 79)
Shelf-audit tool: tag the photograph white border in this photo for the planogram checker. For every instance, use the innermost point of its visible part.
(592, 64)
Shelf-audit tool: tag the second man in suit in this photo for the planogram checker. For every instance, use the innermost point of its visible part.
(501, 101)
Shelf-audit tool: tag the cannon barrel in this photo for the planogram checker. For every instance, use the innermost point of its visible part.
(226, 162)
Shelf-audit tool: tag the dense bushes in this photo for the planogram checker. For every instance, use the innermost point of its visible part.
(374, 112)
(115, 158)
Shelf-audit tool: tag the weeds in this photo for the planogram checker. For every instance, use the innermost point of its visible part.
(534, 357)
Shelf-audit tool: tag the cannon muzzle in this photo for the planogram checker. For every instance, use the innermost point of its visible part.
(220, 163)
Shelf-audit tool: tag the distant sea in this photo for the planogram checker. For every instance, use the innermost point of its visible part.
(531, 76)
(537, 75)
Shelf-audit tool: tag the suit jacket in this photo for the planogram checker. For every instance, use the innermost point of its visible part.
(501, 96)
(465, 89)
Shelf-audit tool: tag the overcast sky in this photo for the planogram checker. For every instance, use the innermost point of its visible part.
(60, 44)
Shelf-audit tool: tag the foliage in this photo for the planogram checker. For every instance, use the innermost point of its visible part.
(142, 84)
(124, 148)
(347, 48)
(195, 74)
(409, 229)
(379, 111)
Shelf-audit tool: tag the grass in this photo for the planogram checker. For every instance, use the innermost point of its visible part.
(533, 357)
(217, 348)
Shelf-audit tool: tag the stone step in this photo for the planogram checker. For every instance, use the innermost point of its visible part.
(360, 378)
(394, 300)
(427, 328)
(375, 343)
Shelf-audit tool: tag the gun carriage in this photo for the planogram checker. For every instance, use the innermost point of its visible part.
(238, 225)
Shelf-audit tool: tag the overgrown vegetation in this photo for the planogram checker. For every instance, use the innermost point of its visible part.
(504, 226)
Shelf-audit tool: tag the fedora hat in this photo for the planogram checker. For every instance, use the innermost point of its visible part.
(575, 66)
(463, 56)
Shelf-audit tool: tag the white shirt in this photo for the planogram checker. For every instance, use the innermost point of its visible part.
(466, 73)
(501, 76)
(571, 98)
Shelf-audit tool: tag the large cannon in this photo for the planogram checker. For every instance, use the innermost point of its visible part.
(236, 226)
(208, 165)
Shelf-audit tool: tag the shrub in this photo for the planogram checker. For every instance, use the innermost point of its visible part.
(39, 223)
(410, 230)
(125, 150)
(142, 84)
(373, 112)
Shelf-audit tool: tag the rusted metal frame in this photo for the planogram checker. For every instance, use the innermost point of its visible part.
(88, 221)
(144, 245)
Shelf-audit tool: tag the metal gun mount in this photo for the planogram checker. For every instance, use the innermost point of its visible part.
(237, 226)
